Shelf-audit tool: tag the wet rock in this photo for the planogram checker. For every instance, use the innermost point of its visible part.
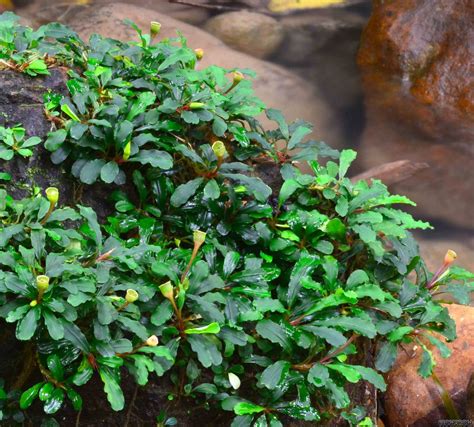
(21, 102)
(421, 51)
(443, 191)
(307, 33)
(277, 87)
(413, 401)
(249, 32)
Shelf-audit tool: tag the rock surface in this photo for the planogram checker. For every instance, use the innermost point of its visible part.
(443, 191)
(413, 401)
(249, 32)
(278, 87)
(21, 101)
(427, 46)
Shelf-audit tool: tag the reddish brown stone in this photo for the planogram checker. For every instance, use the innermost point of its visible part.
(413, 401)
(421, 53)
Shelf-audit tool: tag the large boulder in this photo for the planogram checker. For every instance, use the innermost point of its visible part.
(277, 87)
(421, 52)
(413, 401)
(249, 32)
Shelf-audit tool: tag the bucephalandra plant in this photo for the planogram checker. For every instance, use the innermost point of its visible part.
(252, 297)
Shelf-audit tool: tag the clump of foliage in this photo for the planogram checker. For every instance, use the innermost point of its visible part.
(253, 299)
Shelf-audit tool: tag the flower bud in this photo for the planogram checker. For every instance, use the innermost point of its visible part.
(131, 296)
(234, 380)
(167, 290)
(74, 247)
(199, 237)
(127, 150)
(155, 28)
(52, 194)
(199, 53)
(238, 77)
(196, 105)
(152, 341)
(42, 283)
(219, 149)
(33, 303)
(450, 257)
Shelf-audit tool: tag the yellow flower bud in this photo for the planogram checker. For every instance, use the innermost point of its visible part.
(219, 149)
(199, 237)
(196, 105)
(42, 283)
(450, 257)
(199, 53)
(167, 290)
(155, 28)
(33, 303)
(238, 77)
(52, 194)
(152, 341)
(131, 296)
(127, 150)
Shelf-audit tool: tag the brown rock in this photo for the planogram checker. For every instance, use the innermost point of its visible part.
(277, 87)
(421, 52)
(413, 401)
(443, 191)
(249, 32)
(470, 399)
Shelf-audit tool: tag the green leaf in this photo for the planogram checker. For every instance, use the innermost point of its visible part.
(273, 332)
(212, 190)
(357, 277)
(91, 171)
(332, 336)
(66, 109)
(246, 408)
(212, 328)
(54, 326)
(54, 365)
(386, 357)
(336, 229)
(348, 371)
(303, 268)
(156, 158)
(371, 376)
(109, 172)
(298, 136)
(255, 185)
(398, 333)
(55, 139)
(372, 291)
(112, 388)
(277, 116)
(274, 374)
(318, 375)
(185, 191)
(73, 334)
(206, 349)
(345, 160)
(287, 189)
(427, 362)
(26, 327)
(29, 395)
(362, 326)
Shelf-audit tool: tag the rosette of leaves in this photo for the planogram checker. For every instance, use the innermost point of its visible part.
(265, 318)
